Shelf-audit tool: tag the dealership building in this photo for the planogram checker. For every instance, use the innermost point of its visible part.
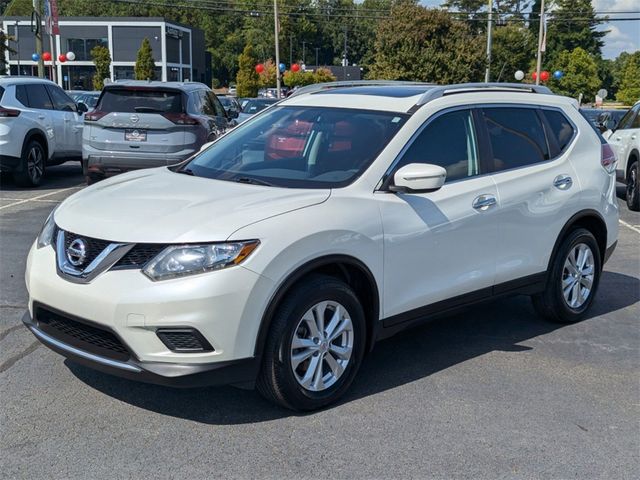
(178, 51)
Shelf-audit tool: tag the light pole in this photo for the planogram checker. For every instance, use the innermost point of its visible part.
(487, 73)
(317, 50)
(277, 32)
(304, 45)
(17, 42)
(541, 40)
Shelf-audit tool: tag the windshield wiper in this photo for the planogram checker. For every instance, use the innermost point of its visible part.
(186, 171)
(253, 181)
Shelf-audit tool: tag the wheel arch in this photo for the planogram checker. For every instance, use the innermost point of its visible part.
(37, 134)
(590, 220)
(344, 267)
(634, 156)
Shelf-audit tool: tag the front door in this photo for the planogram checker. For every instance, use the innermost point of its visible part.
(441, 244)
(622, 138)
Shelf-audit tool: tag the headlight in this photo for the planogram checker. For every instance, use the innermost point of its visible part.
(181, 260)
(46, 233)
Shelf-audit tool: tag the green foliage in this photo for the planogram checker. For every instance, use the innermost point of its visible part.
(268, 76)
(514, 47)
(247, 80)
(629, 92)
(322, 75)
(145, 66)
(417, 43)
(4, 47)
(298, 79)
(580, 74)
(102, 60)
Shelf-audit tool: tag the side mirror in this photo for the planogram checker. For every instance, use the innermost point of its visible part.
(82, 107)
(418, 178)
(610, 124)
(232, 113)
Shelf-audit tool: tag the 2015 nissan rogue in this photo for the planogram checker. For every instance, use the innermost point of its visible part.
(281, 253)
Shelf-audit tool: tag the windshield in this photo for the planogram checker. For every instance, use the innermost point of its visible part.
(299, 147)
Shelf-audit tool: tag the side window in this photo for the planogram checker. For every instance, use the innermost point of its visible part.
(636, 121)
(218, 108)
(21, 95)
(61, 100)
(194, 103)
(38, 96)
(516, 137)
(207, 107)
(626, 120)
(448, 141)
(561, 128)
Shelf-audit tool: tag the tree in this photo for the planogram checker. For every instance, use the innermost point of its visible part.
(513, 49)
(247, 80)
(322, 75)
(145, 68)
(4, 47)
(580, 74)
(298, 79)
(629, 92)
(102, 60)
(422, 44)
(268, 76)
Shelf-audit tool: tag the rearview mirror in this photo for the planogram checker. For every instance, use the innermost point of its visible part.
(82, 107)
(418, 178)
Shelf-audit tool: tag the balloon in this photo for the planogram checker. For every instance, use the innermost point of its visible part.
(295, 67)
(259, 68)
(62, 58)
(71, 56)
(544, 76)
(558, 74)
(534, 75)
(46, 56)
(282, 67)
(519, 75)
(35, 57)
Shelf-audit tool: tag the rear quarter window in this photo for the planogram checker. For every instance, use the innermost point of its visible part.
(594, 128)
(141, 101)
(561, 128)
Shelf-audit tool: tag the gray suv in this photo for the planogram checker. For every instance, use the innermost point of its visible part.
(139, 124)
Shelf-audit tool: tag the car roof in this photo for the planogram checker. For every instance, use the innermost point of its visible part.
(184, 86)
(22, 79)
(406, 97)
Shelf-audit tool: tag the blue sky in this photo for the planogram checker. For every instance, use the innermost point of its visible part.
(622, 36)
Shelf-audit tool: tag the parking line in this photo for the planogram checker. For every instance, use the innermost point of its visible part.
(637, 230)
(26, 200)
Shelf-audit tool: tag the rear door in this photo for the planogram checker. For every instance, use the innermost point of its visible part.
(65, 109)
(139, 120)
(538, 189)
(622, 138)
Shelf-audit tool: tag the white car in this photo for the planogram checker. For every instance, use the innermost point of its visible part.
(625, 141)
(40, 125)
(282, 252)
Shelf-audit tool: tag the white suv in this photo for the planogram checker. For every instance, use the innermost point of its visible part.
(625, 141)
(342, 215)
(40, 125)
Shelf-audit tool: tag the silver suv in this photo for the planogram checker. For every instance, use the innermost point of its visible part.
(40, 125)
(138, 124)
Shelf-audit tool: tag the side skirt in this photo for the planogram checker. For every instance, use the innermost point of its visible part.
(528, 285)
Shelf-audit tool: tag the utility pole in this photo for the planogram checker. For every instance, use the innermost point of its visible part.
(541, 39)
(290, 50)
(16, 39)
(304, 59)
(317, 50)
(344, 56)
(487, 73)
(38, 33)
(277, 33)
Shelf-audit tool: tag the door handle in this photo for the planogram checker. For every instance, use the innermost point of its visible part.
(563, 182)
(42, 117)
(618, 139)
(633, 137)
(484, 202)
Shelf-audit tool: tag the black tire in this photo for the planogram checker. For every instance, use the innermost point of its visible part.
(276, 380)
(551, 304)
(633, 188)
(91, 178)
(85, 168)
(32, 167)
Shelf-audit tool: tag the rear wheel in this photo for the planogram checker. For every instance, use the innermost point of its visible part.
(33, 165)
(573, 279)
(315, 345)
(633, 191)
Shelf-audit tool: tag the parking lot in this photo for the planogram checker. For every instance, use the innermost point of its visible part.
(491, 392)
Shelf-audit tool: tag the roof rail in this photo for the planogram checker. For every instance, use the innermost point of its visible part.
(444, 90)
(355, 83)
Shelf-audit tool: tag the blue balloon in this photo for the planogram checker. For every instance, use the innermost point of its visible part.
(558, 74)
(282, 67)
(35, 57)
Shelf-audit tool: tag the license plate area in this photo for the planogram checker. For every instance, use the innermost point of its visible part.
(135, 135)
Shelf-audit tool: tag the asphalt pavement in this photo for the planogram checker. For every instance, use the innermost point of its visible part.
(491, 392)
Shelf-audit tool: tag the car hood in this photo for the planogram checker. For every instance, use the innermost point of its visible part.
(160, 206)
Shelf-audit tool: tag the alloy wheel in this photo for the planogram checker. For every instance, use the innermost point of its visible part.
(578, 275)
(322, 346)
(35, 163)
(632, 183)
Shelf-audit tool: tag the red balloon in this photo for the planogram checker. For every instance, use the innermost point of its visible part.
(259, 68)
(295, 67)
(62, 57)
(46, 56)
(544, 76)
(534, 75)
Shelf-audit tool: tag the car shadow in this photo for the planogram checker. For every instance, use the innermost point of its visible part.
(414, 354)
(68, 174)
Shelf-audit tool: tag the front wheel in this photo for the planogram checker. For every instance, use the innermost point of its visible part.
(33, 165)
(633, 192)
(572, 279)
(315, 345)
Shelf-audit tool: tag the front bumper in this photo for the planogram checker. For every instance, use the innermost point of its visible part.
(243, 371)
